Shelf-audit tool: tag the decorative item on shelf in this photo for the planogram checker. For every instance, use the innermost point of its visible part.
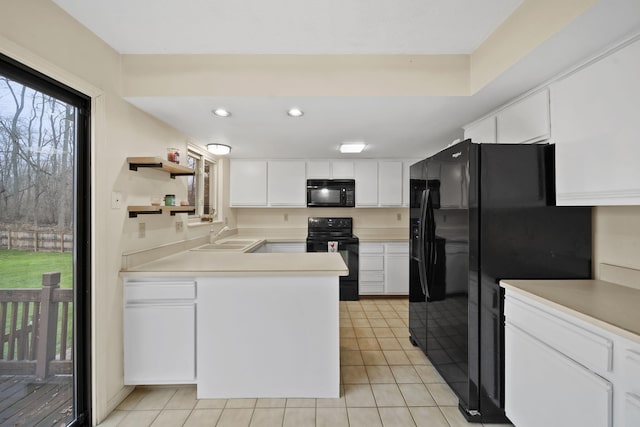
(156, 200)
(184, 203)
(219, 149)
(173, 155)
(169, 199)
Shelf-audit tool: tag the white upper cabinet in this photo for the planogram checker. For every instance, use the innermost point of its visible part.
(596, 122)
(389, 183)
(287, 183)
(406, 177)
(525, 121)
(366, 173)
(330, 169)
(482, 131)
(318, 169)
(342, 169)
(248, 183)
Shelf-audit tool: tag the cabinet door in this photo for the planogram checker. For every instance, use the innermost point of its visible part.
(366, 183)
(406, 170)
(318, 169)
(595, 127)
(159, 344)
(287, 183)
(342, 169)
(526, 120)
(631, 410)
(483, 131)
(396, 273)
(248, 183)
(543, 387)
(390, 183)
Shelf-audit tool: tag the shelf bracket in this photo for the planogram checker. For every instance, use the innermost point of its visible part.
(174, 174)
(188, 211)
(135, 166)
(134, 214)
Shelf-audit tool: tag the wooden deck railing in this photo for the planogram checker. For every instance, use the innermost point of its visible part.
(34, 329)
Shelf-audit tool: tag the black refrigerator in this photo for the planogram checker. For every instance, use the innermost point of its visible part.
(480, 213)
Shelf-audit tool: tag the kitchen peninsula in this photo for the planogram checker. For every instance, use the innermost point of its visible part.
(236, 324)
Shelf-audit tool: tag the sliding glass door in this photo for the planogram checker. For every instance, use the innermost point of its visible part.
(44, 250)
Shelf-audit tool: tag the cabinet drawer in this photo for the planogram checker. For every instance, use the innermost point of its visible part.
(397, 248)
(371, 288)
(154, 291)
(371, 276)
(371, 248)
(368, 262)
(592, 350)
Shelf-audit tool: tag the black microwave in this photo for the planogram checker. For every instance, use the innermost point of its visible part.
(331, 193)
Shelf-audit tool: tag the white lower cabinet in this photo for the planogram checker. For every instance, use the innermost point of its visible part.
(384, 268)
(159, 332)
(561, 370)
(556, 389)
(396, 272)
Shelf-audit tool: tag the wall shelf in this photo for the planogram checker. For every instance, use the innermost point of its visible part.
(134, 211)
(158, 163)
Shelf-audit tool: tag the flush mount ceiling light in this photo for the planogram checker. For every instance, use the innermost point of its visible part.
(221, 112)
(295, 112)
(352, 147)
(218, 149)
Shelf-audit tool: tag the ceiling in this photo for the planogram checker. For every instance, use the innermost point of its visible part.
(392, 127)
(291, 27)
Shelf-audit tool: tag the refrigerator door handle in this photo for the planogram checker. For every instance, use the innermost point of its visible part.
(424, 243)
(433, 253)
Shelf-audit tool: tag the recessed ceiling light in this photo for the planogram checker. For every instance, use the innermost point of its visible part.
(221, 112)
(295, 112)
(352, 147)
(219, 149)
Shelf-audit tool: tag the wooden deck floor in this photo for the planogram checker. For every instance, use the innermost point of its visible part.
(27, 402)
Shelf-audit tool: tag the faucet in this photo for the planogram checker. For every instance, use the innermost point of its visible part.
(222, 230)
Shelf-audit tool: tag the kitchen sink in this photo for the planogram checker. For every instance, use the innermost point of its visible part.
(236, 242)
(221, 247)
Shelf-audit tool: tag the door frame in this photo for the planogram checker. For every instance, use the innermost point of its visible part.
(82, 231)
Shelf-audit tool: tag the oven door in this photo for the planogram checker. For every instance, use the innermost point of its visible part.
(349, 251)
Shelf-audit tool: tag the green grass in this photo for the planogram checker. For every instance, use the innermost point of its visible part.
(24, 269)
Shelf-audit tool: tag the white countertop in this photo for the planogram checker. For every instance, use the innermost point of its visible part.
(613, 307)
(205, 263)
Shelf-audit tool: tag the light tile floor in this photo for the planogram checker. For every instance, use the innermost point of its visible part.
(385, 382)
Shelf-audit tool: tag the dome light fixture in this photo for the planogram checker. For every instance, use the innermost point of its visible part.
(219, 149)
(352, 147)
(295, 112)
(221, 112)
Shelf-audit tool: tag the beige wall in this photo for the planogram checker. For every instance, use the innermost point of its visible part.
(616, 236)
(363, 218)
(38, 33)
(532, 23)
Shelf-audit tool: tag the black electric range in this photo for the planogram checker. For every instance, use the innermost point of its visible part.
(327, 234)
